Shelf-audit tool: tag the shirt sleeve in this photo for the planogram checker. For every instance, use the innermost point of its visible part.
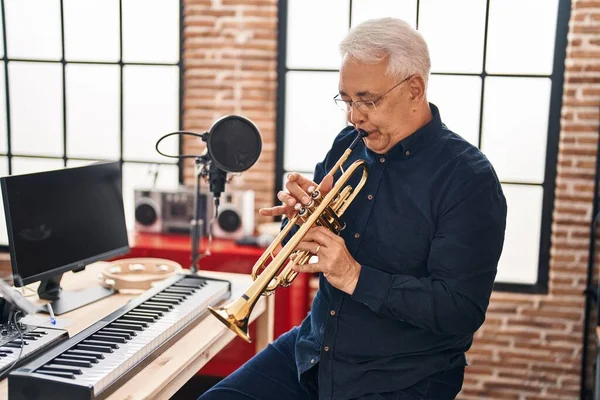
(462, 266)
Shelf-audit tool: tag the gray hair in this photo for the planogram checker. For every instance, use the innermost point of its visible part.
(376, 39)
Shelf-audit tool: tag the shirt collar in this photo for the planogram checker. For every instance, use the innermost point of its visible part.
(412, 143)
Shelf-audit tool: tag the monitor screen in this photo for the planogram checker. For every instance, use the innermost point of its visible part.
(61, 220)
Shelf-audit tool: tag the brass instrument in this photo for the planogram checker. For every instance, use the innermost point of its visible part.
(324, 211)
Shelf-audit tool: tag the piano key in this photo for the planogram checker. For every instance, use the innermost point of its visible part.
(56, 373)
(63, 368)
(171, 296)
(89, 353)
(115, 331)
(125, 336)
(19, 342)
(130, 327)
(143, 341)
(158, 300)
(89, 347)
(132, 321)
(189, 284)
(93, 360)
(154, 307)
(109, 338)
(142, 318)
(74, 363)
(179, 291)
(166, 296)
(13, 345)
(112, 345)
(151, 313)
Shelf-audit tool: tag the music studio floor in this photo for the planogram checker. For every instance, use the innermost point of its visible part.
(195, 387)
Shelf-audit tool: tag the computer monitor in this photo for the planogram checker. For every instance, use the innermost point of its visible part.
(63, 220)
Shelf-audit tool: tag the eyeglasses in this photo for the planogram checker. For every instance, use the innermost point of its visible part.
(364, 106)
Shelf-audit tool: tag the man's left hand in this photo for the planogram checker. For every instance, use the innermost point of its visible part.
(335, 262)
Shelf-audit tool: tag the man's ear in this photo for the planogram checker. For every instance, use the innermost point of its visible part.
(416, 88)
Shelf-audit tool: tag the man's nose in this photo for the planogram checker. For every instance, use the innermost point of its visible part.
(356, 117)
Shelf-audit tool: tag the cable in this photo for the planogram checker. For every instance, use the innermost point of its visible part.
(18, 328)
(181, 133)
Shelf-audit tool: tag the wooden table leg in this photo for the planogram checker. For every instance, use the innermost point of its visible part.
(265, 325)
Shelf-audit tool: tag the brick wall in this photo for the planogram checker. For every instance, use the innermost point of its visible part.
(230, 59)
(530, 345)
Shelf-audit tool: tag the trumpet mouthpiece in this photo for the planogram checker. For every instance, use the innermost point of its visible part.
(363, 133)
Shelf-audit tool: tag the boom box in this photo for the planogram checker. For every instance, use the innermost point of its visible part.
(171, 211)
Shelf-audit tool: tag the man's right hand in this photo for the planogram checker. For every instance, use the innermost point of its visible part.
(297, 193)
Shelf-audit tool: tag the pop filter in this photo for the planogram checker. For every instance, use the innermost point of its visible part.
(234, 143)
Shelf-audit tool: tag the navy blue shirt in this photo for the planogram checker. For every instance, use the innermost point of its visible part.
(428, 229)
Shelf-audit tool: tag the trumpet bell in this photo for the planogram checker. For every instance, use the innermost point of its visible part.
(240, 327)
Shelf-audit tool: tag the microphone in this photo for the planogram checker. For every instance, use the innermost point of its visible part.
(234, 145)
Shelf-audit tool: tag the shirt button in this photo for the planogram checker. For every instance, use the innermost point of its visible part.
(370, 197)
(332, 312)
(407, 153)
(356, 235)
(312, 361)
(382, 159)
(326, 348)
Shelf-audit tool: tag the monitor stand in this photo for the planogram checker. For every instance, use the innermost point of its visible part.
(65, 301)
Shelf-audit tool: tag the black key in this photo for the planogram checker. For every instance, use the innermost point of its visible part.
(3, 355)
(151, 317)
(30, 337)
(128, 332)
(150, 313)
(19, 342)
(141, 318)
(63, 368)
(73, 363)
(89, 347)
(56, 373)
(164, 301)
(40, 332)
(179, 291)
(106, 332)
(154, 307)
(7, 351)
(101, 343)
(13, 345)
(68, 356)
(132, 321)
(126, 326)
(87, 353)
(187, 284)
(108, 338)
(157, 304)
(166, 296)
(170, 296)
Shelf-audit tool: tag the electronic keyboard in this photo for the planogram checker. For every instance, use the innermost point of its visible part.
(93, 363)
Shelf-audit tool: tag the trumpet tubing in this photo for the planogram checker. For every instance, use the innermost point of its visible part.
(272, 271)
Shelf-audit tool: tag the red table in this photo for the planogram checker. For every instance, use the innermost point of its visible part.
(291, 303)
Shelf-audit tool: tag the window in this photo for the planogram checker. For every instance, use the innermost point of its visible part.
(500, 89)
(89, 81)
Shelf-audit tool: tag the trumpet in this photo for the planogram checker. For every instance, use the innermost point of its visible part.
(273, 271)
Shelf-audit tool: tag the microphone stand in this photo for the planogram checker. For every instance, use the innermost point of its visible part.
(197, 225)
